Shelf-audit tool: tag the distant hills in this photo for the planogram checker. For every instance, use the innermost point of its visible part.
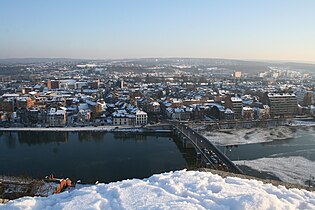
(37, 60)
(242, 65)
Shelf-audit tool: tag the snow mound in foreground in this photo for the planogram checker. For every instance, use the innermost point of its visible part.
(175, 190)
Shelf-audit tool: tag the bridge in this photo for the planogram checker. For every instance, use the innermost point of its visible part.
(213, 157)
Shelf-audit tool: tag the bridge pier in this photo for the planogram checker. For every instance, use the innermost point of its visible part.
(187, 143)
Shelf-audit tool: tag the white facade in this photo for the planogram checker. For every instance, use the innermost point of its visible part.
(141, 118)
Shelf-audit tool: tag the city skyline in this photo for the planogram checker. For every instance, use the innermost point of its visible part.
(260, 30)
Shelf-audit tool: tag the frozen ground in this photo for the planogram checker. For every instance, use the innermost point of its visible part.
(249, 136)
(293, 169)
(302, 123)
(178, 190)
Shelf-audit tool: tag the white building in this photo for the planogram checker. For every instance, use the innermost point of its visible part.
(141, 118)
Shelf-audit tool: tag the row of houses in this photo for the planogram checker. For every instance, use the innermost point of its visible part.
(122, 117)
(213, 111)
(228, 108)
(51, 109)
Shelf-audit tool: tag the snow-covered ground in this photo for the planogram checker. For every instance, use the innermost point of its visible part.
(293, 169)
(178, 190)
(248, 136)
(302, 123)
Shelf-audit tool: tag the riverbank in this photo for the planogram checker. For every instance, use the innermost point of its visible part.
(12, 187)
(108, 128)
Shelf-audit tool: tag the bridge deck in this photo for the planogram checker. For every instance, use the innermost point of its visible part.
(214, 157)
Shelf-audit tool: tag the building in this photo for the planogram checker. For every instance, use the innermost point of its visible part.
(53, 84)
(121, 83)
(262, 113)
(24, 102)
(121, 117)
(56, 118)
(141, 118)
(26, 90)
(154, 107)
(93, 84)
(308, 99)
(282, 104)
(216, 111)
(84, 116)
(235, 104)
(247, 113)
(237, 74)
(180, 114)
(229, 114)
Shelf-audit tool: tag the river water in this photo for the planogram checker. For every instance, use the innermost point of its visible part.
(288, 153)
(280, 152)
(91, 156)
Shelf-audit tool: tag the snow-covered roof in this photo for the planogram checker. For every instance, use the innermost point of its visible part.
(236, 99)
(37, 86)
(220, 107)
(228, 111)
(9, 95)
(54, 111)
(178, 110)
(247, 108)
(140, 112)
(154, 103)
(167, 104)
(271, 95)
(83, 106)
(22, 98)
(32, 93)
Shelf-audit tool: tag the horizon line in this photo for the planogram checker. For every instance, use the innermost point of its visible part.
(170, 57)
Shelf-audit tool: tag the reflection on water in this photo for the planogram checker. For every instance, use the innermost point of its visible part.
(91, 156)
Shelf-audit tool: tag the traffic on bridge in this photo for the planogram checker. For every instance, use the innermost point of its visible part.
(212, 155)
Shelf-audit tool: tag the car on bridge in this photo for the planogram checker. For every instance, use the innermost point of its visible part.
(206, 151)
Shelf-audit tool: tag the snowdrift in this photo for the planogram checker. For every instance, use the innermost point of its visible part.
(175, 190)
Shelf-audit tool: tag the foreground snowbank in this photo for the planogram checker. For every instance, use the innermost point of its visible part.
(249, 136)
(293, 169)
(178, 190)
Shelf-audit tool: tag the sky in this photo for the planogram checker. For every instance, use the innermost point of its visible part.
(104, 29)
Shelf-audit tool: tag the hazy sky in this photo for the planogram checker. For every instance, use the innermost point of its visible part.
(243, 29)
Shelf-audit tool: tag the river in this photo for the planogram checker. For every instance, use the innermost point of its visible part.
(91, 156)
(286, 153)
